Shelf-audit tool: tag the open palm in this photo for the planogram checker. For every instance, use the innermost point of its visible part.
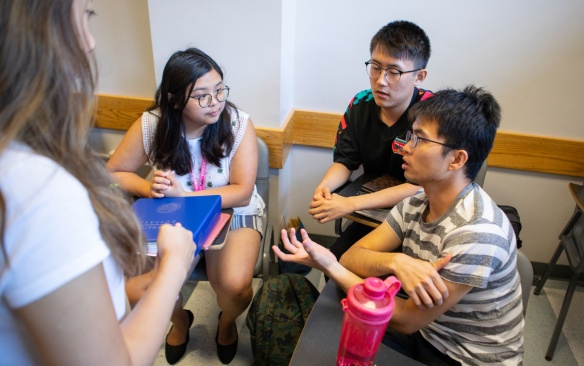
(306, 252)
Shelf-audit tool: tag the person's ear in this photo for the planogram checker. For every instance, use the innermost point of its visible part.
(458, 159)
(421, 76)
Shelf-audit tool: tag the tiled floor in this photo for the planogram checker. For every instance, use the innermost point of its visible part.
(542, 311)
(540, 319)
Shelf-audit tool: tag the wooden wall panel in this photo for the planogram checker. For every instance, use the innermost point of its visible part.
(538, 154)
(511, 150)
(118, 113)
(274, 138)
(315, 128)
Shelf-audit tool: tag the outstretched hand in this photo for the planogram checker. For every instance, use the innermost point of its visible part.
(306, 252)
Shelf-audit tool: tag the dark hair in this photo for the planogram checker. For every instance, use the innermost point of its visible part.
(405, 41)
(467, 119)
(170, 149)
(47, 102)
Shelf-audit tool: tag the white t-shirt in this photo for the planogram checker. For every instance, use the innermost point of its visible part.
(51, 237)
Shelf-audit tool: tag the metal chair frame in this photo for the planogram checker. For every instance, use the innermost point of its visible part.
(572, 243)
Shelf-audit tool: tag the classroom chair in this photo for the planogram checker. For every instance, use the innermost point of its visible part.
(572, 243)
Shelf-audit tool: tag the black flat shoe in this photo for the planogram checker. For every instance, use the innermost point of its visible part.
(226, 353)
(175, 353)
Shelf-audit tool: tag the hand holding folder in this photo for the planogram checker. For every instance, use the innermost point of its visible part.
(199, 214)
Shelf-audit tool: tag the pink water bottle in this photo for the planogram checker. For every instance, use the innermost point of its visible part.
(368, 308)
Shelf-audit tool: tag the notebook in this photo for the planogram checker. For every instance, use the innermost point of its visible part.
(377, 184)
(217, 237)
(199, 214)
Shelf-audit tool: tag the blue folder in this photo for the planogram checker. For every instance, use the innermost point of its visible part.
(199, 214)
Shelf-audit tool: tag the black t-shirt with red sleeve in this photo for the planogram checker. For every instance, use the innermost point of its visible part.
(362, 138)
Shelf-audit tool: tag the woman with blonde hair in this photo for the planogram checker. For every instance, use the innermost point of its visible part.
(66, 238)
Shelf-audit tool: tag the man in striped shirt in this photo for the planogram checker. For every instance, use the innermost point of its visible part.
(458, 264)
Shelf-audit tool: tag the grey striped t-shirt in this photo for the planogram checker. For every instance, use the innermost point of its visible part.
(486, 326)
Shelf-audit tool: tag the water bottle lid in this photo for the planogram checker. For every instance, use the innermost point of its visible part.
(372, 300)
(374, 288)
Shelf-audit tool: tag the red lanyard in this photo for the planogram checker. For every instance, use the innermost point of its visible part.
(200, 185)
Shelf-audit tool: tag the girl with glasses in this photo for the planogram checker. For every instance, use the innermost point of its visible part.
(199, 144)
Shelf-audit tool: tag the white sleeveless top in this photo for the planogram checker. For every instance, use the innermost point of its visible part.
(216, 176)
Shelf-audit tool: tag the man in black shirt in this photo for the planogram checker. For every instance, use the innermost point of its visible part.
(373, 128)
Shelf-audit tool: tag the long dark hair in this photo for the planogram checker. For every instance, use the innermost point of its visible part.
(47, 102)
(170, 149)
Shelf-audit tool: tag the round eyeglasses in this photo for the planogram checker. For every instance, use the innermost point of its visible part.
(205, 100)
(415, 139)
(392, 75)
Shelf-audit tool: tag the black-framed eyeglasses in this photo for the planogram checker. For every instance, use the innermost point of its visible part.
(392, 75)
(205, 100)
(415, 139)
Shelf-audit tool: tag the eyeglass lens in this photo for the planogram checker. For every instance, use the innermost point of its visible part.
(410, 137)
(221, 96)
(392, 75)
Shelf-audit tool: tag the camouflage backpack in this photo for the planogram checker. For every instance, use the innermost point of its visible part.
(277, 315)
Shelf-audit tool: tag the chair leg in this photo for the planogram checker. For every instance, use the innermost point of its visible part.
(562, 316)
(549, 269)
(338, 226)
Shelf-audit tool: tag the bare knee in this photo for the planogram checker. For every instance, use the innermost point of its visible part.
(238, 291)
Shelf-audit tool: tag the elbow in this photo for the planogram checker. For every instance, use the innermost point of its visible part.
(113, 169)
(346, 259)
(246, 199)
(406, 321)
(245, 202)
(407, 328)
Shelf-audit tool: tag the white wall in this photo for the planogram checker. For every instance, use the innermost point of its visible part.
(281, 55)
(528, 53)
(245, 43)
(124, 56)
(521, 52)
